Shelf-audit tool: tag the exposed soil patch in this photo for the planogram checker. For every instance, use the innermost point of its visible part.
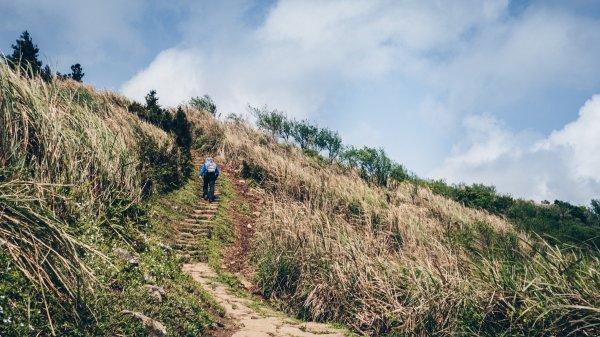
(245, 210)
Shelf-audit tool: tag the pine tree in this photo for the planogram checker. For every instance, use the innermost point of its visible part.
(25, 55)
(77, 72)
(181, 128)
(46, 73)
(155, 112)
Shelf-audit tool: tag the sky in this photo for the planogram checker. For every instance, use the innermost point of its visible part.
(505, 93)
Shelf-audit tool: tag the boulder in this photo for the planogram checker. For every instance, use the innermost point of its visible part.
(124, 255)
(155, 328)
(155, 291)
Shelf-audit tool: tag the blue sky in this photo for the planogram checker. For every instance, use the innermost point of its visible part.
(500, 92)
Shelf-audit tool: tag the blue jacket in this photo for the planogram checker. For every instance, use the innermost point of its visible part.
(203, 171)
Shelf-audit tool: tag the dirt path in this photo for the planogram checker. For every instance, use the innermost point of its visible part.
(191, 235)
(253, 321)
(244, 317)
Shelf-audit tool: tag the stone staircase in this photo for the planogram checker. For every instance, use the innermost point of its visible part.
(192, 234)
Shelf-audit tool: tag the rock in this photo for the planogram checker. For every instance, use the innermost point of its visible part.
(242, 181)
(125, 255)
(256, 214)
(155, 291)
(155, 328)
(249, 226)
(245, 283)
(149, 278)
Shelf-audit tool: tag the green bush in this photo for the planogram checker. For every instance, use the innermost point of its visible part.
(204, 103)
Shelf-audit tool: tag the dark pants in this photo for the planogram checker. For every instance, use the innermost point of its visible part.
(208, 190)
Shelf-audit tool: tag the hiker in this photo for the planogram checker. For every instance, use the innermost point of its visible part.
(210, 173)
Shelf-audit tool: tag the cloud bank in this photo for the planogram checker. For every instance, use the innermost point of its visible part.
(445, 87)
(563, 165)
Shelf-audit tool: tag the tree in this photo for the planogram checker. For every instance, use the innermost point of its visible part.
(25, 55)
(287, 129)
(181, 128)
(76, 72)
(330, 141)
(154, 112)
(398, 173)
(271, 121)
(305, 134)
(46, 73)
(204, 103)
(373, 164)
(595, 207)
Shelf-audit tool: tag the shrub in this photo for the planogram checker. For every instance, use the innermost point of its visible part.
(270, 121)
(204, 103)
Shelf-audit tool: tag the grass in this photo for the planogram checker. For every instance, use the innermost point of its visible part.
(222, 234)
(73, 179)
(329, 246)
(402, 261)
(222, 227)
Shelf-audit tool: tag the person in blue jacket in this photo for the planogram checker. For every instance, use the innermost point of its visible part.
(210, 173)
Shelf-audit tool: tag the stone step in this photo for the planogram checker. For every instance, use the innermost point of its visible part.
(203, 222)
(204, 210)
(193, 258)
(194, 243)
(193, 252)
(196, 251)
(198, 219)
(207, 207)
(206, 214)
(189, 246)
(196, 232)
(203, 215)
(197, 224)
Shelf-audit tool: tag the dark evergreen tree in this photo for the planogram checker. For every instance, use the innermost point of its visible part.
(181, 128)
(77, 72)
(154, 111)
(46, 73)
(25, 55)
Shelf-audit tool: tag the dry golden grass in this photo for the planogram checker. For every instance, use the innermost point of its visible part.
(68, 152)
(402, 260)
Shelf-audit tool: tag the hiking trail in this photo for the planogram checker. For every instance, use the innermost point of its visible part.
(191, 235)
(245, 318)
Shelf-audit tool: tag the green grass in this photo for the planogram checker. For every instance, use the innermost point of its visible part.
(222, 231)
(76, 167)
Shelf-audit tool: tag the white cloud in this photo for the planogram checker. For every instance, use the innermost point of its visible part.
(306, 49)
(563, 165)
(515, 58)
(174, 74)
(454, 59)
(581, 138)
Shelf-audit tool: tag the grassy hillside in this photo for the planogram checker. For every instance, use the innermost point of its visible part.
(78, 244)
(87, 188)
(403, 261)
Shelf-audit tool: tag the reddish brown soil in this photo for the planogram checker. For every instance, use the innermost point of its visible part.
(244, 210)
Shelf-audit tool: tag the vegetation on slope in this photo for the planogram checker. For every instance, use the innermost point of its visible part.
(403, 260)
(77, 243)
(559, 223)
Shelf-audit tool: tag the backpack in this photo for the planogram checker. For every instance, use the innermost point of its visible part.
(211, 167)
